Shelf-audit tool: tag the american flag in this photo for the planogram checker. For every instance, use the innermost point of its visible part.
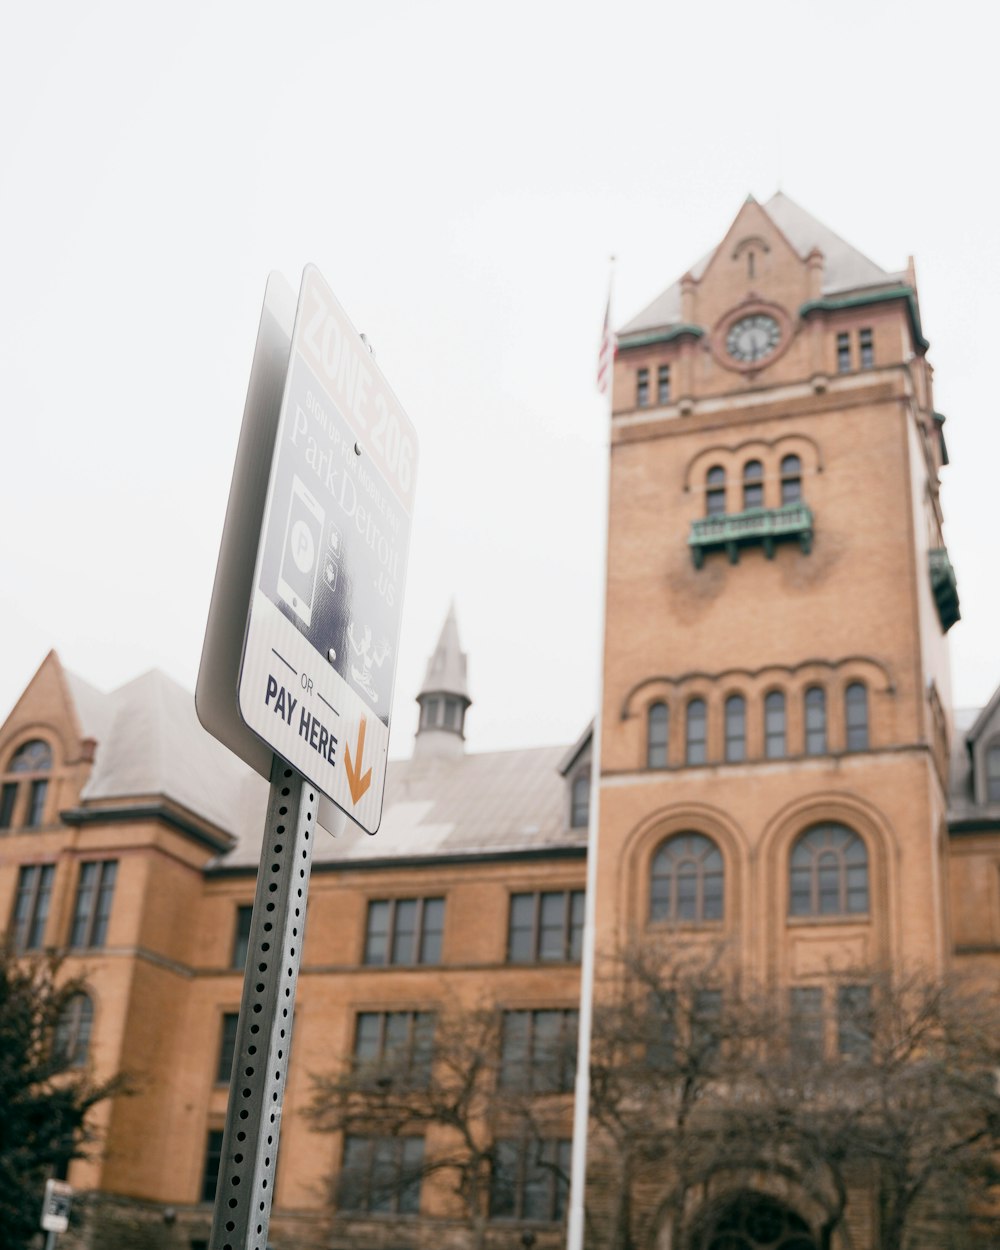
(606, 354)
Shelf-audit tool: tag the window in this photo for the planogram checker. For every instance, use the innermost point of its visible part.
(697, 731)
(829, 873)
(396, 1044)
(545, 928)
(774, 725)
(753, 484)
(94, 892)
(579, 815)
(8, 795)
(429, 713)
(736, 728)
(404, 931)
(657, 724)
(856, 715)
(227, 1048)
(530, 1180)
(866, 349)
(843, 353)
(855, 1026)
(642, 388)
(805, 1022)
(663, 384)
(715, 491)
(706, 1021)
(213, 1163)
(661, 1042)
(686, 880)
(451, 714)
(241, 939)
(815, 721)
(993, 773)
(32, 757)
(72, 1036)
(381, 1175)
(791, 479)
(31, 905)
(538, 1051)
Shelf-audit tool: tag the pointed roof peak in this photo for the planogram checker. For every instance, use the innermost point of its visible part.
(446, 668)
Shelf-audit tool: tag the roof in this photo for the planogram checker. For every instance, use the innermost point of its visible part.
(151, 743)
(497, 802)
(845, 268)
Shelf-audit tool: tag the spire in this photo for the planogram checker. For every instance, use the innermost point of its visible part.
(444, 695)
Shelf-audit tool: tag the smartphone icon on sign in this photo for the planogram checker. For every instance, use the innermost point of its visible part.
(300, 556)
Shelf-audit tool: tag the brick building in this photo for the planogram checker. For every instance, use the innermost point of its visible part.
(781, 771)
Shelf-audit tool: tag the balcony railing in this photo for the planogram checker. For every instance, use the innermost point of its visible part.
(756, 527)
(945, 587)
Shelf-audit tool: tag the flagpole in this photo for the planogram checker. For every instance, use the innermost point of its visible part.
(581, 1100)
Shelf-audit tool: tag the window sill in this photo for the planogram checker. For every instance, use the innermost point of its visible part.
(837, 921)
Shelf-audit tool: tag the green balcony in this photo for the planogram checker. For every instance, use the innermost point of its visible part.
(756, 527)
(945, 587)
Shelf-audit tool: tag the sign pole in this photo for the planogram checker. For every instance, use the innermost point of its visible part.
(264, 1033)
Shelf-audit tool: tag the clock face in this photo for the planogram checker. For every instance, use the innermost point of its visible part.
(752, 338)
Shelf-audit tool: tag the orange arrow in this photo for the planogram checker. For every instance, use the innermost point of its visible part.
(359, 783)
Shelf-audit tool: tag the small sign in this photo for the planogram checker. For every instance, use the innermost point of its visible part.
(56, 1207)
(319, 656)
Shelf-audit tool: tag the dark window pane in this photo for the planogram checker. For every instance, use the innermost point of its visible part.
(856, 709)
(687, 880)
(105, 893)
(404, 932)
(213, 1159)
(433, 931)
(696, 731)
(241, 941)
(36, 803)
(72, 1035)
(8, 796)
(735, 728)
(33, 757)
(993, 774)
(715, 492)
(521, 936)
(656, 736)
(774, 725)
(227, 1047)
(85, 894)
(829, 873)
(663, 384)
(514, 1049)
(753, 484)
(806, 1022)
(576, 920)
(580, 802)
(854, 1021)
(791, 479)
(866, 349)
(815, 721)
(843, 353)
(377, 933)
(504, 1180)
(642, 388)
(552, 933)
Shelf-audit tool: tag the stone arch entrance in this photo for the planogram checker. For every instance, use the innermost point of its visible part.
(752, 1221)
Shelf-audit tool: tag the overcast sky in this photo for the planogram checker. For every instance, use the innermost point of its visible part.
(459, 174)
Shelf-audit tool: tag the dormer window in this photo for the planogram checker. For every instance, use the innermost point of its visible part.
(993, 773)
(579, 811)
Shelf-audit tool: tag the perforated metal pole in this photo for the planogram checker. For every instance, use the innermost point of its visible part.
(264, 1034)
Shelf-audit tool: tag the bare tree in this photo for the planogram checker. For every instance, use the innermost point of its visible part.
(471, 1097)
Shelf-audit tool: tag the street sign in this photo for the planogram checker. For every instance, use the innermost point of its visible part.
(56, 1206)
(319, 655)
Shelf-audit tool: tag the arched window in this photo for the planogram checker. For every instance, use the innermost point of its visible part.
(753, 484)
(815, 721)
(579, 814)
(828, 873)
(657, 723)
(72, 1037)
(697, 731)
(774, 725)
(32, 757)
(791, 479)
(736, 728)
(686, 882)
(715, 491)
(856, 716)
(993, 773)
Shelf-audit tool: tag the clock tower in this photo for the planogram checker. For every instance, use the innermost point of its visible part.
(776, 688)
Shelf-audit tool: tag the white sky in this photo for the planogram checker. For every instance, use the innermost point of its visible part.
(460, 175)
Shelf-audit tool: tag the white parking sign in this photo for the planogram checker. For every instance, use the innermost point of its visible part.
(319, 656)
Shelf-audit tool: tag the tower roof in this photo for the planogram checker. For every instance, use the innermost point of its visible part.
(845, 268)
(446, 669)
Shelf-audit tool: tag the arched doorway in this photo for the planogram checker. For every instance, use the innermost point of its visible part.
(751, 1221)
